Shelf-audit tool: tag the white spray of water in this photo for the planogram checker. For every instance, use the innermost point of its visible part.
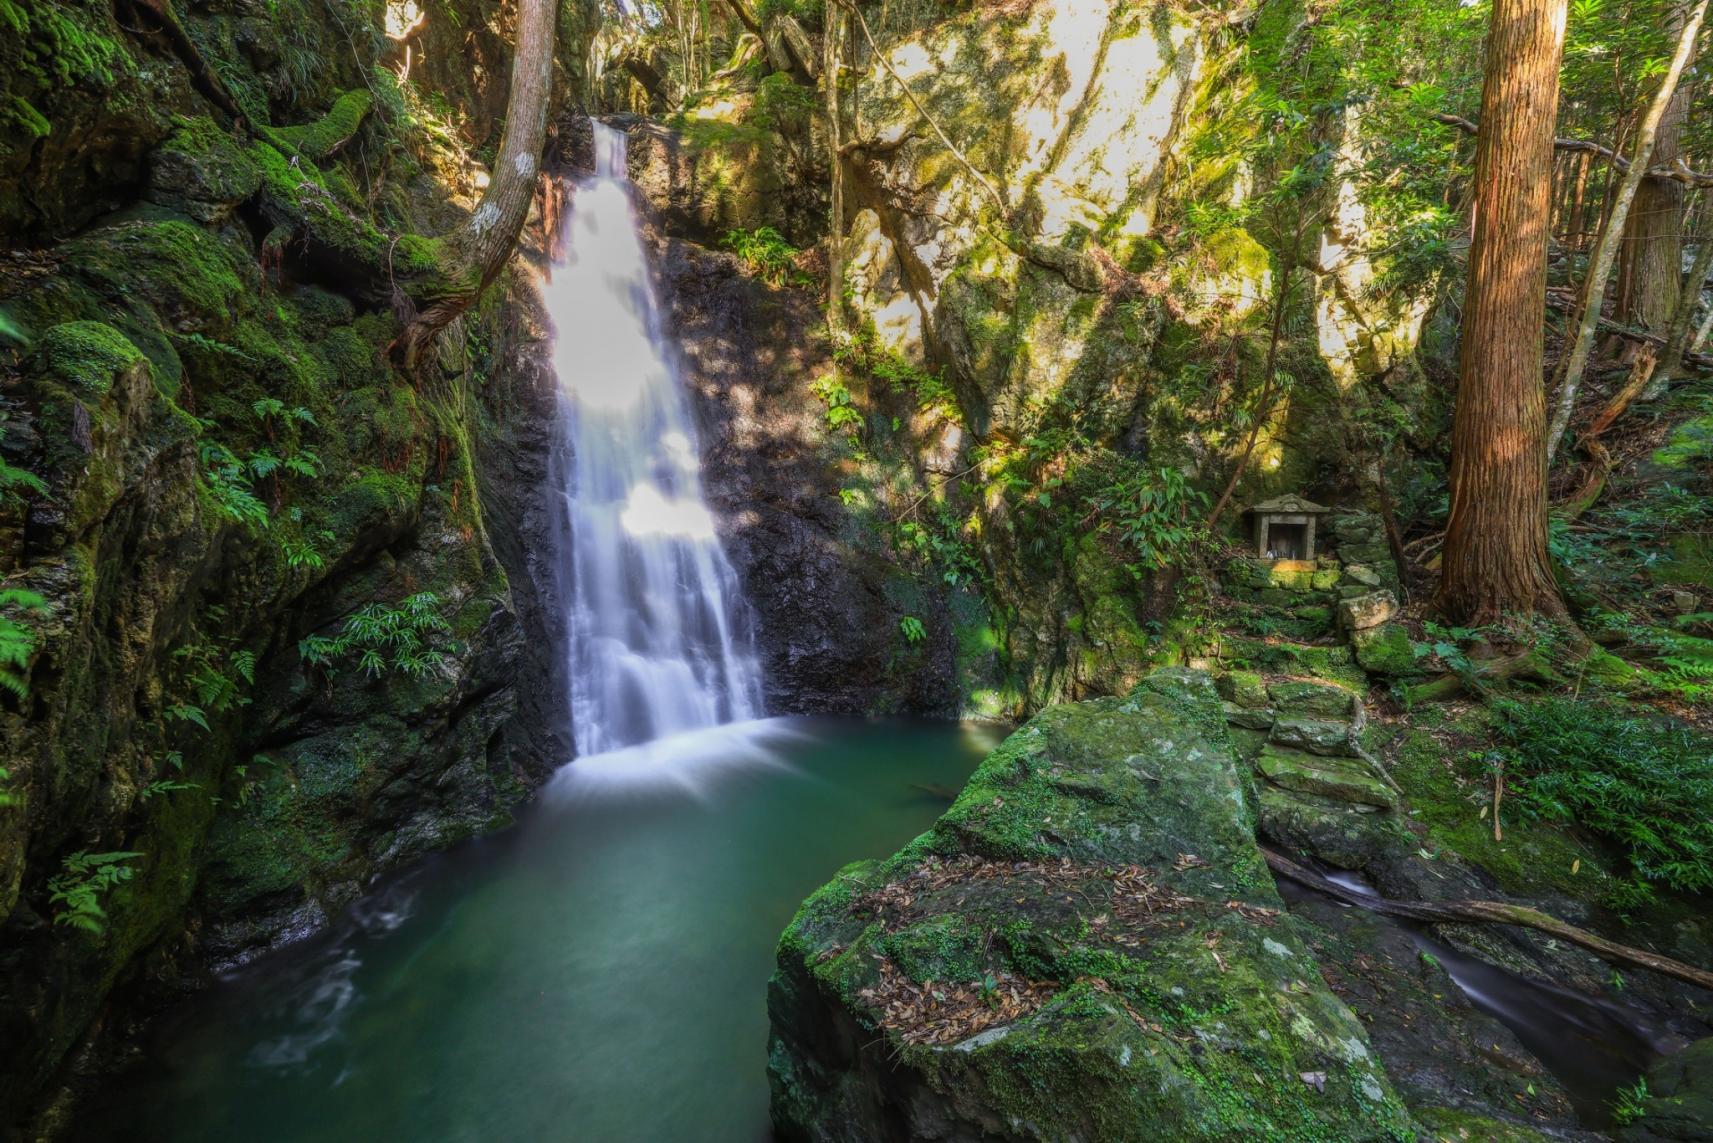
(661, 641)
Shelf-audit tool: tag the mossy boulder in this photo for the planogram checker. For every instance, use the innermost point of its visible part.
(1299, 698)
(1088, 945)
(88, 355)
(1245, 688)
(202, 171)
(1386, 650)
(1679, 1101)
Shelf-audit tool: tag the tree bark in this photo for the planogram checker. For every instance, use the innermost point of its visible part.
(1600, 265)
(834, 17)
(474, 254)
(1677, 336)
(1650, 259)
(1492, 913)
(1495, 558)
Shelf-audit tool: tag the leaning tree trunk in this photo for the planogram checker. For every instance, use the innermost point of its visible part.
(474, 255)
(1650, 260)
(1600, 265)
(1495, 557)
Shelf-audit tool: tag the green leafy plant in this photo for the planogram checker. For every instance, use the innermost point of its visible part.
(912, 630)
(930, 389)
(842, 413)
(17, 638)
(76, 891)
(7, 797)
(187, 712)
(303, 553)
(228, 481)
(764, 253)
(1630, 1105)
(937, 539)
(382, 638)
(1154, 513)
(165, 786)
(15, 481)
(1641, 781)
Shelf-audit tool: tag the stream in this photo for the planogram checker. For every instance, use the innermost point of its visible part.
(598, 973)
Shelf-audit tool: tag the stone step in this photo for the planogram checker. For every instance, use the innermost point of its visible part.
(1343, 779)
(1313, 735)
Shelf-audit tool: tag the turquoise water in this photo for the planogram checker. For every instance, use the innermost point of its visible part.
(598, 973)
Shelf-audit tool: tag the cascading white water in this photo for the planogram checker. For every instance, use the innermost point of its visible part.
(661, 641)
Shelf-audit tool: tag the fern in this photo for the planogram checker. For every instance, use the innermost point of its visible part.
(18, 640)
(1642, 782)
(383, 638)
(185, 712)
(1686, 665)
(81, 883)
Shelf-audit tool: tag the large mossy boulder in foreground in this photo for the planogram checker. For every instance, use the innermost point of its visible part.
(1088, 945)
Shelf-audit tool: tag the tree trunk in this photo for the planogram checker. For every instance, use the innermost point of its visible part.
(834, 17)
(1650, 259)
(1495, 558)
(1600, 266)
(474, 254)
(1677, 336)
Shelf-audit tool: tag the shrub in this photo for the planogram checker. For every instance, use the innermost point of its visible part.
(764, 253)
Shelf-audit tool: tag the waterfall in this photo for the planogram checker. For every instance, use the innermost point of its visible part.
(660, 638)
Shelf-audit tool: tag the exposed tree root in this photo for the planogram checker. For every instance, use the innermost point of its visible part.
(1492, 913)
(1526, 665)
(205, 78)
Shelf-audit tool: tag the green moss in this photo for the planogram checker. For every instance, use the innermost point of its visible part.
(1143, 1025)
(1446, 793)
(88, 354)
(194, 277)
(63, 44)
(1387, 650)
(201, 163)
(371, 497)
(20, 119)
(317, 140)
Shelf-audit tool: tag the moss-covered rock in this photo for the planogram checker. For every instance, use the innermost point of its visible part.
(1386, 651)
(227, 465)
(1087, 945)
(1678, 1100)
(202, 171)
(1343, 779)
(88, 355)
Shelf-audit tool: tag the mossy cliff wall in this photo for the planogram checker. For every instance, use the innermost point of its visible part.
(1075, 297)
(193, 367)
(1103, 281)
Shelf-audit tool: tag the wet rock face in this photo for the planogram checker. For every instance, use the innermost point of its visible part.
(721, 174)
(1679, 1100)
(824, 591)
(174, 367)
(1088, 945)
